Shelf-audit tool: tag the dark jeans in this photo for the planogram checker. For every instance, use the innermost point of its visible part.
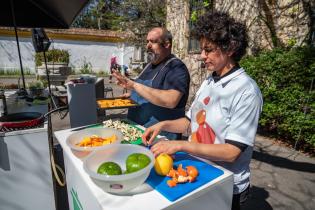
(240, 199)
(111, 72)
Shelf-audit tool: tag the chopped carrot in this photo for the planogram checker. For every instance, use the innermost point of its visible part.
(96, 141)
(171, 183)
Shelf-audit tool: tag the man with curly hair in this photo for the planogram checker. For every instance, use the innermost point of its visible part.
(224, 116)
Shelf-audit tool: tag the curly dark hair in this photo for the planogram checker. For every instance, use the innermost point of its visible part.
(225, 32)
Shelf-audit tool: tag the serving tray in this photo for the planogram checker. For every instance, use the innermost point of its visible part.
(109, 103)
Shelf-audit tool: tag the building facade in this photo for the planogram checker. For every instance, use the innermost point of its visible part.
(85, 46)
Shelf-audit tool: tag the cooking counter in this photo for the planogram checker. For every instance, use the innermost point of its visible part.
(83, 194)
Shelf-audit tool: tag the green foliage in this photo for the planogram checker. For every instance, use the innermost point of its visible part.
(86, 67)
(142, 15)
(206, 3)
(35, 85)
(100, 14)
(54, 55)
(291, 42)
(137, 16)
(102, 73)
(198, 8)
(286, 79)
(194, 16)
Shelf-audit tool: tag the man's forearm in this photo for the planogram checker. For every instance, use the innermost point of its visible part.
(164, 98)
(176, 126)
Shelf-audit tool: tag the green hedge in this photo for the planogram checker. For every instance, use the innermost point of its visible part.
(54, 55)
(286, 78)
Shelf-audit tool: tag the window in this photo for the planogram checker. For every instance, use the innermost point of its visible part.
(197, 8)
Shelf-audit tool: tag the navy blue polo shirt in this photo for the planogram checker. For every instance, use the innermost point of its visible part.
(174, 75)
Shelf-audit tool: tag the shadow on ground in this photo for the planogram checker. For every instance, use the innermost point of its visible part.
(283, 162)
(257, 200)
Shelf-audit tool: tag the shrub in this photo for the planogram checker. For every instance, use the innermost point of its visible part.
(35, 85)
(9, 86)
(54, 55)
(286, 79)
(86, 67)
(102, 73)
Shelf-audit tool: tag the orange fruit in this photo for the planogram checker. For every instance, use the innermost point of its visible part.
(163, 164)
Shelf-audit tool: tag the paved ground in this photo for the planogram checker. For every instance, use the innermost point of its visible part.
(282, 179)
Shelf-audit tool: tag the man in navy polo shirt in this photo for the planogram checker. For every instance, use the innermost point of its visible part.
(162, 87)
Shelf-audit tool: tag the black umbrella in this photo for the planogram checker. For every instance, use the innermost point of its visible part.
(38, 13)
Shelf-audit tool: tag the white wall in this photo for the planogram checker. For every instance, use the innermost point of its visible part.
(97, 53)
(9, 58)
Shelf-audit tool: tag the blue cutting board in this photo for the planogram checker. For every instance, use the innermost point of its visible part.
(207, 173)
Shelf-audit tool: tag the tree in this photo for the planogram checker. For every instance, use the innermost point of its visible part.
(141, 16)
(137, 16)
(100, 14)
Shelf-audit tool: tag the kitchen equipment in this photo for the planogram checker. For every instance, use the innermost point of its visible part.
(25, 167)
(82, 104)
(115, 103)
(207, 173)
(21, 121)
(3, 104)
(118, 153)
(24, 120)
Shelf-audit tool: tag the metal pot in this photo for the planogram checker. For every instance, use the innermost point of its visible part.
(22, 120)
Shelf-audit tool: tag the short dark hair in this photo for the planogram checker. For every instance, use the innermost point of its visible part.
(166, 35)
(224, 31)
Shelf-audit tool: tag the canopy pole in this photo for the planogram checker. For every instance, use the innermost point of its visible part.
(18, 44)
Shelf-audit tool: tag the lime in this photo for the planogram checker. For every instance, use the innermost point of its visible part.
(136, 162)
(109, 168)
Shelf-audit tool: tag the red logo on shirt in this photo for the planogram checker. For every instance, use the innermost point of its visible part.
(204, 133)
(206, 100)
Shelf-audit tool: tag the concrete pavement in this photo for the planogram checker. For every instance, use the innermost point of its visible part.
(281, 178)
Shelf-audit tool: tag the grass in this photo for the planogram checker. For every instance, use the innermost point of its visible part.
(15, 72)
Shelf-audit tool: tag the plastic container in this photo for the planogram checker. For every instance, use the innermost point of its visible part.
(118, 153)
(78, 136)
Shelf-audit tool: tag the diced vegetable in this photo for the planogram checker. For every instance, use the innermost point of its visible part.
(130, 133)
(96, 141)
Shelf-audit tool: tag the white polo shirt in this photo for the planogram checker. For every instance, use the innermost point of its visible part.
(228, 109)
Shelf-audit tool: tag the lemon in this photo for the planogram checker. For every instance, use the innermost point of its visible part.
(163, 164)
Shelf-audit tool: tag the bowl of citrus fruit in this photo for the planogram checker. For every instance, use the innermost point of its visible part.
(119, 168)
(93, 139)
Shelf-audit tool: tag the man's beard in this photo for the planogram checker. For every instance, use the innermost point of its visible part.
(152, 57)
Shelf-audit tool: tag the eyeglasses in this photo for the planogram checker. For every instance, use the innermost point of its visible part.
(208, 50)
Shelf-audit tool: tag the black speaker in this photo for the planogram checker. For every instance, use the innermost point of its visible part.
(40, 40)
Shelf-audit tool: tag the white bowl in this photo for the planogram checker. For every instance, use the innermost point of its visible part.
(78, 136)
(118, 153)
